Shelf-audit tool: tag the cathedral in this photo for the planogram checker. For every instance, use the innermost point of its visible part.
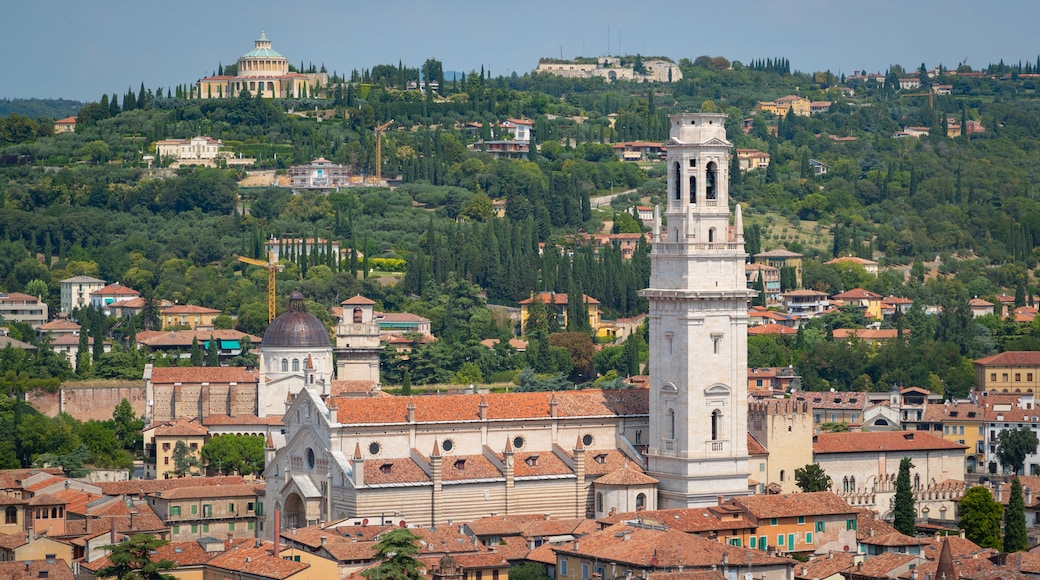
(429, 460)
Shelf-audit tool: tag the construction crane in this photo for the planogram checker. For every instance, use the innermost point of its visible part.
(272, 269)
(379, 148)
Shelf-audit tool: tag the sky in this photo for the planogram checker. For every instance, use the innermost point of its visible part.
(80, 49)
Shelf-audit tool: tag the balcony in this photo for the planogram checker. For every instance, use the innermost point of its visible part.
(716, 447)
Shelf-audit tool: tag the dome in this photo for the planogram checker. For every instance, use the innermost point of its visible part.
(296, 328)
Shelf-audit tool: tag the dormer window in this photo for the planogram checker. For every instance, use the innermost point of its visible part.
(386, 467)
(460, 464)
(600, 458)
(532, 460)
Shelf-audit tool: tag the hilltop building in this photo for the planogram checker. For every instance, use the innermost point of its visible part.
(76, 291)
(264, 73)
(610, 68)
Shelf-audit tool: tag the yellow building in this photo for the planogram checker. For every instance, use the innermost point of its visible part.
(66, 125)
(782, 106)
(867, 301)
(556, 305)
(1012, 372)
(194, 317)
(160, 444)
(264, 73)
(817, 522)
(781, 258)
(218, 511)
(960, 422)
(22, 547)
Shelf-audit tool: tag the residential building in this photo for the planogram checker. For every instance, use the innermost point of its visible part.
(762, 316)
(402, 322)
(280, 249)
(980, 307)
(502, 149)
(867, 335)
(751, 159)
(76, 291)
(837, 407)
(962, 422)
(771, 328)
(18, 307)
(1011, 372)
(869, 265)
(644, 213)
(103, 298)
(209, 510)
(627, 243)
(264, 73)
(773, 379)
(801, 523)
(909, 83)
(68, 345)
(66, 125)
(892, 305)
(639, 151)
(780, 258)
(805, 303)
(784, 105)
(161, 442)
(817, 107)
(57, 328)
(867, 301)
(194, 317)
(819, 167)
(698, 371)
(230, 343)
(519, 129)
(319, 174)
(1004, 412)
(556, 304)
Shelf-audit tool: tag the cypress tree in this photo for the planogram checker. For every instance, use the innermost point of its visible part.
(406, 383)
(905, 514)
(212, 353)
(196, 353)
(1015, 538)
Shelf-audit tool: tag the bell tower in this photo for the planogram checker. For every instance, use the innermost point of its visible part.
(698, 324)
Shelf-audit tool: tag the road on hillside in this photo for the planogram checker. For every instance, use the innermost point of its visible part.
(602, 200)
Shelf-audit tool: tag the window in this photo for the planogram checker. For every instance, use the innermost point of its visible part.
(249, 507)
(207, 510)
(808, 537)
(194, 509)
(231, 508)
(781, 475)
(801, 520)
(194, 528)
(946, 429)
(166, 460)
(1029, 377)
(850, 524)
(563, 566)
(753, 542)
(205, 528)
(599, 502)
(231, 526)
(734, 542)
(518, 442)
(817, 417)
(772, 522)
(821, 526)
(285, 365)
(249, 525)
(716, 424)
(194, 446)
(295, 364)
(993, 376)
(11, 515)
(1018, 377)
(175, 510)
(584, 571)
(176, 530)
(962, 430)
(586, 439)
(166, 446)
(761, 466)
(780, 540)
(640, 501)
(1004, 377)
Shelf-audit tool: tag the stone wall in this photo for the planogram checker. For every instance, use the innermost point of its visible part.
(90, 399)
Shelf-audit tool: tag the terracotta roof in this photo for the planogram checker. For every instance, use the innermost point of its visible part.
(867, 525)
(1011, 358)
(954, 412)
(116, 289)
(816, 293)
(825, 566)
(543, 554)
(541, 528)
(358, 300)
(257, 561)
(390, 471)
(460, 467)
(893, 540)
(644, 548)
(832, 401)
(853, 259)
(244, 420)
(35, 569)
(880, 441)
(584, 403)
(511, 548)
(12, 541)
(509, 525)
(778, 253)
(533, 464)
(979, 303)
(882, 565)
(399, 317)
(687, 575)
(626, 476)
(868, 333)
(754, 447)
(180, 428)
(558, 298)
(46, 499)
(690, 520)
(603, 461)
(183, 338)
(208, 491)
(59, 324)
(141, 487)
(858, 294)
(516, 343)
(770, 329)
(17, 297)
(793, 504)
(896, 300)
(218, 375)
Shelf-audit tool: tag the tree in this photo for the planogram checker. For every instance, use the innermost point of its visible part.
(905, 514)
(184, 460)
(397, 550)
(212, 353)
(243, 454)
(812, 477)
(132, 560)
(196, 352)
(1014, 445)
(528, 571)
(1015, 538)
(980, 518)
(127, 426)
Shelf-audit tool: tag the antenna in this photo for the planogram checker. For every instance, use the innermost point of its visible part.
(608, 40)
(561, 52)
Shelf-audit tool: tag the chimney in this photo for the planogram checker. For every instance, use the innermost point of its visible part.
(324, 539)
(1028, 496)
(722, 499)
(277, 533)
(545, 516)
(575, 545)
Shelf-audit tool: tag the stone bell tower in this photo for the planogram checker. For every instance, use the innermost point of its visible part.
(698, 324)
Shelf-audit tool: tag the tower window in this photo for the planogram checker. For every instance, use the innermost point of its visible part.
(678, 182)
(671, 423)
(711, 235)
(295, 364)
(716, 424)
(285, 365)
(693, 189)
(710, 189)
(716, 342)
(357, 316)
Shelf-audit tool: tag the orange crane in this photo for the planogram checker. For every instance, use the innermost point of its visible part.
(379, 148)
(272, 269)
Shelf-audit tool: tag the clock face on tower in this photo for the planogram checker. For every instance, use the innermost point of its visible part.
(698, 319)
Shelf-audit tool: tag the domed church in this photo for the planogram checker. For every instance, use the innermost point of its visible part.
(295, 353)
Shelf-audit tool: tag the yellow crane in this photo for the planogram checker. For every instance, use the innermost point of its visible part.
(379, 148)
(272, 269)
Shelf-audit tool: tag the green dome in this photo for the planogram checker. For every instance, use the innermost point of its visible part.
(263, 49)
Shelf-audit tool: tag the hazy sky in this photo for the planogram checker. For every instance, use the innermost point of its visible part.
(79, 49)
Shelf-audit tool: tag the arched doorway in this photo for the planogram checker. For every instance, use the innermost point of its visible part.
(295, 513)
